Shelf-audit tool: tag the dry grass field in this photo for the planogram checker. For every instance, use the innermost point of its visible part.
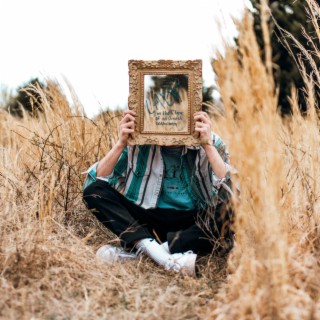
(48, 239)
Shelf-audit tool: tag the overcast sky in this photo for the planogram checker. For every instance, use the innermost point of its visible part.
(90, 42)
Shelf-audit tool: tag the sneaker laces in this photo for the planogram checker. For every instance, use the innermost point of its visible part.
(172, 265)
(185, 262)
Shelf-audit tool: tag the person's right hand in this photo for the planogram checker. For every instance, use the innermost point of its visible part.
(127, 124)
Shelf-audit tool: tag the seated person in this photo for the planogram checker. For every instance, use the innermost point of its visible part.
(169, 203)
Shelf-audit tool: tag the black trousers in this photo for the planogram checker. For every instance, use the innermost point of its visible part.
(199, 231)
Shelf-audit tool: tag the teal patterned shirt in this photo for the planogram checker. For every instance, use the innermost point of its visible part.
(138, 175)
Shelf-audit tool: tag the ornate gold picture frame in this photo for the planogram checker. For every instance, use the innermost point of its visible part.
(165, 94)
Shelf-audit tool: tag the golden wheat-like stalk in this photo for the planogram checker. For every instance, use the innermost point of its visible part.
(277, 213)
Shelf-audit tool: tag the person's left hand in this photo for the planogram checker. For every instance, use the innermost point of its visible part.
(203, 127)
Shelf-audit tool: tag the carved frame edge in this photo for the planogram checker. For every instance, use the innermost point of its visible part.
(139, 67)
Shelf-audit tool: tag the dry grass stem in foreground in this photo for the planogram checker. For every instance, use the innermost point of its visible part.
(48, 237)
(274, 266)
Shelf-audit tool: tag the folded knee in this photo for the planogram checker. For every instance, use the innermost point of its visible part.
(90, 193)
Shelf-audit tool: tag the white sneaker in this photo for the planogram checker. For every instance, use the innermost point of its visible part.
(186, 263)
(179, 262)
(155, 251)
(111, 254)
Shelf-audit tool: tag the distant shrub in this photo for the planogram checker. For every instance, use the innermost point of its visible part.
(27, 99)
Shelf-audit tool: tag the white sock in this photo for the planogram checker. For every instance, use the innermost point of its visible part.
(156, 252)
(166, 246)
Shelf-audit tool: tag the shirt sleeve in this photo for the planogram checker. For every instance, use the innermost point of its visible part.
(117, 176)
(224, 153)
(91, 175)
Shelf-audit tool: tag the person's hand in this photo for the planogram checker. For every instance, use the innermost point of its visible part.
(127, 124)
(203, 127)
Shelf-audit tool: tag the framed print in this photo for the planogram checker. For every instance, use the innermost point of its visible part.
(165, 94)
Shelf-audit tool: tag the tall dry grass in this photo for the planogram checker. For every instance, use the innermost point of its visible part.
(274, 269)
(48, 238)
(48, 269)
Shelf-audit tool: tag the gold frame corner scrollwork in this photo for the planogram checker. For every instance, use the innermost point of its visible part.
(137, 69)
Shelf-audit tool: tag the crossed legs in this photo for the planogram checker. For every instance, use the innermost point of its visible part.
(184, 230)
